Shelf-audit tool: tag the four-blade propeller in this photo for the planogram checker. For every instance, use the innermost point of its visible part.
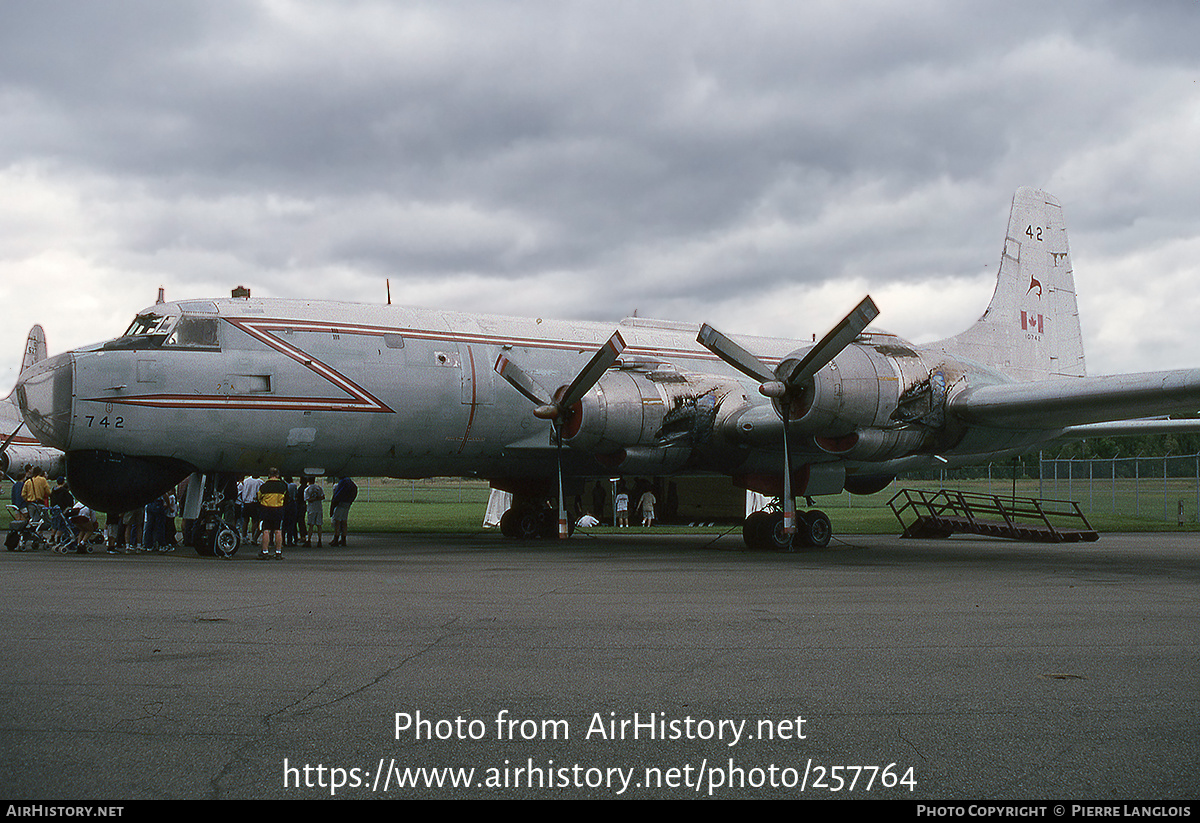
(787, 381)
(559, 408)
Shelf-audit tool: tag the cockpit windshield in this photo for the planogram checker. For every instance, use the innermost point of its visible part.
(151, 329)
(149, 323)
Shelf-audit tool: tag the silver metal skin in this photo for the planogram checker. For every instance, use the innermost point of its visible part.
(790, 383)
(240, 385)
(563, 410)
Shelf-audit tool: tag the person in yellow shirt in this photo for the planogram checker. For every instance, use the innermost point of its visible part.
(271, 496)
(37, 488)
(36, 494)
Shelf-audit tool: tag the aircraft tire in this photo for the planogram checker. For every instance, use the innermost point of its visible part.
(527, 523)
(508, 524)
(754, 530)
(815, 529)
(776, 538)
(531, 524)
(225, 543)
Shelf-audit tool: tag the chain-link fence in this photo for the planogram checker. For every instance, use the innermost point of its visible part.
(1150, 487)
(1153, 488)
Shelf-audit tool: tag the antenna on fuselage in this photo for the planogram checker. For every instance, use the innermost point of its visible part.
(162, 297)
(389, 290)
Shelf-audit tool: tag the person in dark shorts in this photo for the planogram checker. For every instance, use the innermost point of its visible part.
(271, 497)
(345, 493)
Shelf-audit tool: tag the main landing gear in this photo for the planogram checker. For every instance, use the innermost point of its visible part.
(530, 521)
(764, 530)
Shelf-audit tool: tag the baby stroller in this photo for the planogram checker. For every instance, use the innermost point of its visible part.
(66, 531)
(25, 534)
(86, 532)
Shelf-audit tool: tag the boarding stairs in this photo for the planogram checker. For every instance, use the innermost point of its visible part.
(947, 511)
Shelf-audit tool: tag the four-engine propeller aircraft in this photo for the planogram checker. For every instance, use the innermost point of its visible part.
(238, 385)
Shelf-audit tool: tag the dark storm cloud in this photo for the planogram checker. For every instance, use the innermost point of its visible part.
(696, 159)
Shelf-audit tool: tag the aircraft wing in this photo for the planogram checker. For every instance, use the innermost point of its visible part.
(1075, 402)
(1134, 428)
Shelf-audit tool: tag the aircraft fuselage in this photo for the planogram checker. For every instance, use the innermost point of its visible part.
(241, 385)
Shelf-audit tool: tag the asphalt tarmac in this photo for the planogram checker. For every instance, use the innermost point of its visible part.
(641, 666)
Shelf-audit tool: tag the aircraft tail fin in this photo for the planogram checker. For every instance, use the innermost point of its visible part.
(35, 350)
(35, 347)
(1030, 330)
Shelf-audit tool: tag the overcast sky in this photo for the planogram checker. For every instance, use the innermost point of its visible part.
(756, 165)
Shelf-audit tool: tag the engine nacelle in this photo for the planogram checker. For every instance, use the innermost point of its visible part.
(873, 444)
(860, 391)
(660, 409)
(651, 460)
(868, 483)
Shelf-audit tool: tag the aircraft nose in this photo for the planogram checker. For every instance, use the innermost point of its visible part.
(44, 395)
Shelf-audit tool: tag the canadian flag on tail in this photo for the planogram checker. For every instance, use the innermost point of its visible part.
(1031, 322)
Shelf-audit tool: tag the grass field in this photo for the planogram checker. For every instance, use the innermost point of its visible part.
(454, 505)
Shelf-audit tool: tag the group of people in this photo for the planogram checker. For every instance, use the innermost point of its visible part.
(69, 524)
(645, 505)
(286, 512)
(642, 498)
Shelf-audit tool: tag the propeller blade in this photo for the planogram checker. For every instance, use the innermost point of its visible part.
(601, 361)
(789, 500)
(832, 344)
(564, 531)
(4, 448)
(778, 386)
(733, 354)
(9, 439)
(521, 381)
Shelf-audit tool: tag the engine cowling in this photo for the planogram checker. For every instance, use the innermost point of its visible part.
(657, 409)
(652, 460)
(860, 392)
(868, 483)
(873, 444)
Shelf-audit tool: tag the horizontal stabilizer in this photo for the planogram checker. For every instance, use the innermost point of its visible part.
(1049, 404)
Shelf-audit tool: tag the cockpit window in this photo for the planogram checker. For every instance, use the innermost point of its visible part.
(148, 323)
(182, 331)
(194, 332)
(147, 331)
